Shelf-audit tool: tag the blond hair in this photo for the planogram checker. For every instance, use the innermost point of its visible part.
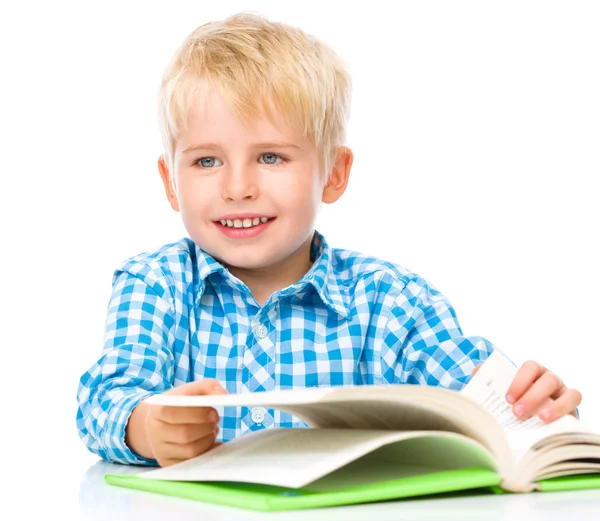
(253, 62)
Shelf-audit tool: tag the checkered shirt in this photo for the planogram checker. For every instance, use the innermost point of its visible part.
(177, 315)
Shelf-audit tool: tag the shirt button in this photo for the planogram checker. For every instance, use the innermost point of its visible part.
(258, 414)
(261, 331)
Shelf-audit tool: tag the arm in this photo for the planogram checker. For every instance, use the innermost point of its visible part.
(423, 342)
(136, 362)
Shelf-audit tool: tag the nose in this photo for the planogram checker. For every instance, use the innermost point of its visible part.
(239, 184)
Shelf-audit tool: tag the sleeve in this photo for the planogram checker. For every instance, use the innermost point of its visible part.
(423, 342)
(136, 362)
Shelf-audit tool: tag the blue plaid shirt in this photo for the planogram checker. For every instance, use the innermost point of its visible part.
(177, 315)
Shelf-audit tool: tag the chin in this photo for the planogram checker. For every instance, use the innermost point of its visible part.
(242, 260)
(246, 263)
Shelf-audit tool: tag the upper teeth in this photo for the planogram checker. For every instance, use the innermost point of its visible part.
(246, 223)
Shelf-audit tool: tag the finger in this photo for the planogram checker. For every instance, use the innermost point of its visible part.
(474, 372)
(198, 388)
(186, 433)
(175, 452)
(561, 390)
(527, 374)
(185, 415)
(539, 394)
(564, 404)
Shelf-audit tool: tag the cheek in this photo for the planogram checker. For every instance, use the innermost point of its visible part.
(297, 194)
(193, 195)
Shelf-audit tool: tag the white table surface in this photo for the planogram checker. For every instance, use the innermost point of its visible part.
(100, 501)
(62, 480)
(48, 473)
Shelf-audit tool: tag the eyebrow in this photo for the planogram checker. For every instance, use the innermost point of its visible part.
(216, 146)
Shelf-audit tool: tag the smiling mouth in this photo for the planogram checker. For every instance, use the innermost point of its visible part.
(244, 223)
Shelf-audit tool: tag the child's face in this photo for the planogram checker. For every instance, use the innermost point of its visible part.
(232, 175)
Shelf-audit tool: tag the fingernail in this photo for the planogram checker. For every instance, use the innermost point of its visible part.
(213, 417)
(218, 389)
(217, 429)
(545, 414)
(510, 398)
(519, 410)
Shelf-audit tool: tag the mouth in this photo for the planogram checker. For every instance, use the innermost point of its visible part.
(244, 227)
(244, 223)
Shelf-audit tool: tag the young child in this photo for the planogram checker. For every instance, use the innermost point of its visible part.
(253, 117)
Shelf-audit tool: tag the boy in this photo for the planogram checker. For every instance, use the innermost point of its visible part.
(253, 118)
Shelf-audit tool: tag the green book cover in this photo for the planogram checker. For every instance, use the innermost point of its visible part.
(265, 497)
(253, 496)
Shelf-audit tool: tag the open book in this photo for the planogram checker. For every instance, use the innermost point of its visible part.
(372, 443)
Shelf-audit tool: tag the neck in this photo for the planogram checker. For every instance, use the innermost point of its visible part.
(263, 282)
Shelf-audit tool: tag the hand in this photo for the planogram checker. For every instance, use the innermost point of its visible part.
(536, 390)
(176, 434)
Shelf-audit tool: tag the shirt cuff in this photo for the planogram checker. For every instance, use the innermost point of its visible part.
(114, 438)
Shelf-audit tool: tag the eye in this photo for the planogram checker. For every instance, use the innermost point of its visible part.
(271, 159)
(207, 162)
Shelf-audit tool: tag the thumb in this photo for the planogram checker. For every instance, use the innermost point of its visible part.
(199, 387)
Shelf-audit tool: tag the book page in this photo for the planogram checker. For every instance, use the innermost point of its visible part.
(406, 459)
(373, 413)
(296, 457)
(489, 387)
(400, 407)
(388, 406)
(265, 398)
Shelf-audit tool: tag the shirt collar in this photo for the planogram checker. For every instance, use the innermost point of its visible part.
(321, 276)
(207, 265)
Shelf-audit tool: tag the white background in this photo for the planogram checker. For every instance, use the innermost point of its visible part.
(475, 127)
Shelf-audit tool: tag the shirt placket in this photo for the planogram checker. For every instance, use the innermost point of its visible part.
(259, 369)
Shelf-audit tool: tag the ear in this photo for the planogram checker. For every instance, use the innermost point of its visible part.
(166, 179)
(339, 175)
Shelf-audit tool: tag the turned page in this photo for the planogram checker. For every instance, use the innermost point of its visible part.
(489, 387)
(296, 457)
(397, 407)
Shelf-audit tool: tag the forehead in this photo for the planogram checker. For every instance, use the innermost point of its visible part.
(211, 118)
